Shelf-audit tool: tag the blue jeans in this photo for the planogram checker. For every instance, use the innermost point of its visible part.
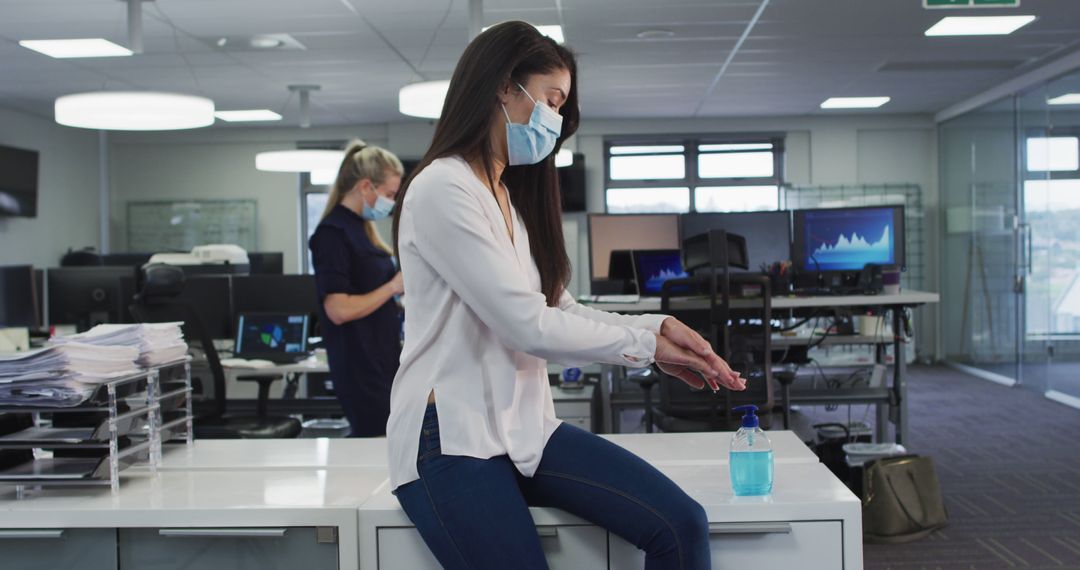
(473, 513)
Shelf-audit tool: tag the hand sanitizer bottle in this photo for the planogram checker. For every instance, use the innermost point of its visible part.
(751, 457)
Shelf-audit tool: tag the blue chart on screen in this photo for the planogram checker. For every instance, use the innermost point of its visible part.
(656, 269)
(272, 335)
(848, 240)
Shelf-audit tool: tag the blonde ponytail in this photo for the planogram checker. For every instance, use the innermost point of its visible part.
(363, 161)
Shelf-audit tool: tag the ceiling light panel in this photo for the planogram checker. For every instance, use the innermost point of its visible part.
(979, 25)
(554, 32)
(854, 102)
(247, 115)
(67, 49)
(1066, 99)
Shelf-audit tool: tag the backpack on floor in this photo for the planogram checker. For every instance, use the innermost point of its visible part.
(901, 499)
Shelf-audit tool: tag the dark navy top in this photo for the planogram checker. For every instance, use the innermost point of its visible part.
(363, 354)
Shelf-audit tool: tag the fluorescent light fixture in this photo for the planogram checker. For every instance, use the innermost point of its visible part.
(854, 102)
(424, 99)
(1066, 99)
(299, 160)
(247, 115)
(90, 47)
(134, 111)
(324, 177)
(979, 25)
(563, 158)
(554, 32)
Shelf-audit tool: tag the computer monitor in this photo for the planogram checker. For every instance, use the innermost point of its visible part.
(88, 296)
(275, 293)
(608, 232)
(768, 234)
(266, 263)
(621, 265)
(211, 298)
(279, 337)
(572, 184)
(18, 297)
(847, 239)
(652, 267)
(705, 250)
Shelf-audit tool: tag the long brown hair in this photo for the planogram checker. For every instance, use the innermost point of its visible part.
(363, 161)
(507, 53)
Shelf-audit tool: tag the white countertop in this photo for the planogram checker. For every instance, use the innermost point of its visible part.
(801, 491)
(225, 498)
(322, 453)
(706, 447)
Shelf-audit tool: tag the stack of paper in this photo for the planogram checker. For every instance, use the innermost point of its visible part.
(157, 343)
(62, 375)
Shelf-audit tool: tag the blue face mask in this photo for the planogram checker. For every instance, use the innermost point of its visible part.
(531, 143)
(382, 208)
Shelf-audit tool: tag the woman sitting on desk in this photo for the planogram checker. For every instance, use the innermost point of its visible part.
(479, 235)
(357, 280)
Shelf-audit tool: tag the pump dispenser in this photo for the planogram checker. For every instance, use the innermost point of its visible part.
(751, 456)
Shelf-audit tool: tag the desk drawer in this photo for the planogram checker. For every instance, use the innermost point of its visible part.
(49, 549)
(565, 410)
(814, 545)
(284, 548)
(575, 547)
(583, 423)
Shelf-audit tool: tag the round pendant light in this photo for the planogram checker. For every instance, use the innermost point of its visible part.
(299, 160)
(134, 111)
(424, 99)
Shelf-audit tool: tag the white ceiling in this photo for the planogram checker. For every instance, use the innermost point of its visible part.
(361, 52)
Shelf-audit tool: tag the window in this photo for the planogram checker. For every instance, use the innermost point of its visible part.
(700, 174)
(1051, 202)
(1052, 154)
(313, 201)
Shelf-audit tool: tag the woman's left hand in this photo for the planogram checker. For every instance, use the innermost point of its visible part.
(685, 337)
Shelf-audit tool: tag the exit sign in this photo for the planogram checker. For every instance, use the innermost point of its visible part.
(971, 3)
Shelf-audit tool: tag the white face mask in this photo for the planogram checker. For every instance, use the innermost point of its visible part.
(533, 142)
(382, 208)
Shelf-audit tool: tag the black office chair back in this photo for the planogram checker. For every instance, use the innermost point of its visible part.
(746, 348)
(157, 302)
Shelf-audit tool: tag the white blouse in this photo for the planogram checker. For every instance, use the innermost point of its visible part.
(478, 330)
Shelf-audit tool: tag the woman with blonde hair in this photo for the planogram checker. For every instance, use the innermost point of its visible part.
(357, 280)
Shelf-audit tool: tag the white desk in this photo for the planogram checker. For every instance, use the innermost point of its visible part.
(250, 390)
(810, 521)
(194, 519)
(652, 304)
(238, 503)
(322, 453)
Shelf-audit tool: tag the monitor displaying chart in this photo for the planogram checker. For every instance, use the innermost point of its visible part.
(654, 267)
(271, 333)
(847, 239)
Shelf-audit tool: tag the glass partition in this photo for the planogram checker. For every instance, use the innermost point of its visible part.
(1010, 190)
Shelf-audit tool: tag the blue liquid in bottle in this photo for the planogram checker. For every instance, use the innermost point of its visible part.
(751, 457)
(751, 472)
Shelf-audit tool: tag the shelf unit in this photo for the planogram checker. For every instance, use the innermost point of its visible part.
(124, 422)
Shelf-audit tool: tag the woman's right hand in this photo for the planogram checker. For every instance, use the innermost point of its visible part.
(682, 364)
(397, 284)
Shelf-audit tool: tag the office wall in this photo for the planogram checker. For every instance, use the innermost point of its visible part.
(68, 191)
(215, 165)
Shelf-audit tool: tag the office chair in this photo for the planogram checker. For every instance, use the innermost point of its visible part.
(745, 345)
(157, 302)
